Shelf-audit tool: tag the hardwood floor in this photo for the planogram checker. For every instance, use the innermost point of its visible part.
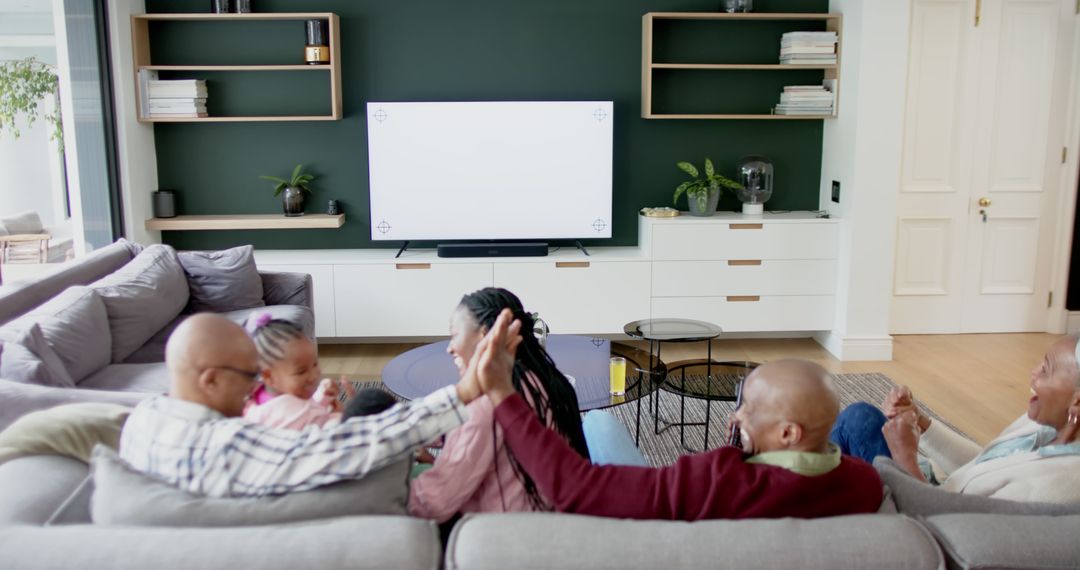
(978, 381)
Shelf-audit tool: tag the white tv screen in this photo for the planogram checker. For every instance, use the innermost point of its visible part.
(490, 171)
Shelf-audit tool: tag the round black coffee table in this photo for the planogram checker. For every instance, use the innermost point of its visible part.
(660, 331)
(584, 360)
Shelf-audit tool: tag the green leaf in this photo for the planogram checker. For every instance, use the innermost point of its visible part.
(679, 190)
(274, 179)
(24, 84)
(709, 172)
(687, 168)
(279, 188)
(296, 174)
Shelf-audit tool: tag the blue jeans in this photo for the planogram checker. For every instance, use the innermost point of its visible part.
(609, 442)
(858, 432)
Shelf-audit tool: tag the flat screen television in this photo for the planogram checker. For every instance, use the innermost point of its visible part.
(490, 170)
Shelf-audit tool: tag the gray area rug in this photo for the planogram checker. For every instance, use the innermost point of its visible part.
(664, 448)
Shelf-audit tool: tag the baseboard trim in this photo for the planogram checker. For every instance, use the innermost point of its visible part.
(1072, 322)
(856, 348)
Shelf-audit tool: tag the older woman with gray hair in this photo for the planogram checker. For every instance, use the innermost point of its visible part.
(1036, 458)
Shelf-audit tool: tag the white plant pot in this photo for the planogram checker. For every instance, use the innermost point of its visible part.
(753, 209)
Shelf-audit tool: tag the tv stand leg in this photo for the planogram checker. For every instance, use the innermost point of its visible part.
(402, 250)
(581, 247)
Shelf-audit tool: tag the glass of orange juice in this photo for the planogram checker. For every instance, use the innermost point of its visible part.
(617, 370)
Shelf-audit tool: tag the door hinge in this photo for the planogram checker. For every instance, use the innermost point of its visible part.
(1049, 299)
(1065, 149)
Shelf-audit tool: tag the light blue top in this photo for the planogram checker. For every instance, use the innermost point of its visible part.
(1038, 441)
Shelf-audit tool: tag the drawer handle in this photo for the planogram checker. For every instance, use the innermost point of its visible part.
(744, 262)
(565, 264)
(746, 226)
(413, 265)
(743, 298)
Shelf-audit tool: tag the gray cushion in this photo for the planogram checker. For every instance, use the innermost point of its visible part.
(21, 399)
(34, 488)
(152, 378)
(298, 314)
(1008, 541)
(24, 223)
(222, 280)
(918, 499)
(19, 299)
(154, 349)
(142, 297)
(124, 496)
(544, 540)
(287, 289)
(76, 326)
(353, 543)
(27, 357)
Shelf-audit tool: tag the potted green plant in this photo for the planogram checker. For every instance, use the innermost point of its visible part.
(703, 192)
(24, 83)
(292, 200)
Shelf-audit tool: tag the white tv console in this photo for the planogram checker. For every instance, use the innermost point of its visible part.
(774, 273)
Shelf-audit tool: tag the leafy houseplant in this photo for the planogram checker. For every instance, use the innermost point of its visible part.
(24, 83)
(294, 189)
(703, 192)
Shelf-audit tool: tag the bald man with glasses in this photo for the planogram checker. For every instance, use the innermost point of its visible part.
(195, 438)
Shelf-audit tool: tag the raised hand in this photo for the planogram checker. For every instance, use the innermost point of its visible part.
(493, 353)
(901, 401)
(496, 361)
(902, 436)
(1068, 433)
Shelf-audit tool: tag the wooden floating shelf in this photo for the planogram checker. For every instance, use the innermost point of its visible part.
(238, 119)
(236, 67)
(750, 116)
(764, 66)
(246, 222)
(250, 17)
(739, 16)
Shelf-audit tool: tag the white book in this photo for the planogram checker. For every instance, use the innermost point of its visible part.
(178, 82)
(176, 100)
(178, 115)
(179, 109)
(146, 76)
(801, 49)
(167, 92)
(808, 35)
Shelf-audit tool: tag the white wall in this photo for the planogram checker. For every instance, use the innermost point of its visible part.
(134, 140)
(862, 150)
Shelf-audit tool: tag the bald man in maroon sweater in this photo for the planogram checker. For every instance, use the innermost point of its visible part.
(786, 468)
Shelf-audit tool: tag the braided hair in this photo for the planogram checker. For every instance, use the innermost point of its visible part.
(551, 395)
(271, 335)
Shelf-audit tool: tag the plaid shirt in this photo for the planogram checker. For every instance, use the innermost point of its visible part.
(201, 451)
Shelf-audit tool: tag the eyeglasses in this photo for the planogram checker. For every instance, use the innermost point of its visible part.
(245, 373)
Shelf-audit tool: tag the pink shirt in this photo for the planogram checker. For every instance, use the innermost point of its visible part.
(472, 473)
(287, 411)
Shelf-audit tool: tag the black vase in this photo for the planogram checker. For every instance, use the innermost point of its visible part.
(292, 201)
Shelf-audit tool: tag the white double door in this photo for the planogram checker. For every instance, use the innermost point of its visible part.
(983, 142)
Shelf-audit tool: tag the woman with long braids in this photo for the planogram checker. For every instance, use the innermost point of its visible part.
(476, 472)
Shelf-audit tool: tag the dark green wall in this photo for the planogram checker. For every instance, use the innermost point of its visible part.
(435, 50)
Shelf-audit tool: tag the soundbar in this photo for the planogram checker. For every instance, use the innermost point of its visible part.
(504, 249)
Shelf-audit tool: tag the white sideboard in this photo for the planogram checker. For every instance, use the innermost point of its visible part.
(775, 273)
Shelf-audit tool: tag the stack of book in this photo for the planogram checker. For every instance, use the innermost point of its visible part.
(174, 98)
(808, 48)
(806, 100)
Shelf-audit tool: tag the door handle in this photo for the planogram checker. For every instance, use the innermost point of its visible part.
(984, 201)
(412, 266)
(569, 264)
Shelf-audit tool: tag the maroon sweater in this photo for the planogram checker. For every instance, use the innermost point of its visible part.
(717, 484)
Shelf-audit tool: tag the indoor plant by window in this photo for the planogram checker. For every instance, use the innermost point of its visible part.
(24, 84)
(294, 189)
(703, 192)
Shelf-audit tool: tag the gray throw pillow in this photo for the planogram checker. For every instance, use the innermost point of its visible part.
(222, 281)
(26, 357)
(918, 499)
(24, 223)
(1005, 542)
(123, 496)
(142, 297)
(76, 326)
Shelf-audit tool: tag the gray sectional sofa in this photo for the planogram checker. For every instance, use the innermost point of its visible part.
(96, 329)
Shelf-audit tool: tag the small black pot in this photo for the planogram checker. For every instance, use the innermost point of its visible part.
(292, 201)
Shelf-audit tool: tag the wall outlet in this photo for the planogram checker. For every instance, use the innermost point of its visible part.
(836, 191)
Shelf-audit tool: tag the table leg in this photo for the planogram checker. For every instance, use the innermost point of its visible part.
(708, 393)
(656, 394)
(682, 409)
